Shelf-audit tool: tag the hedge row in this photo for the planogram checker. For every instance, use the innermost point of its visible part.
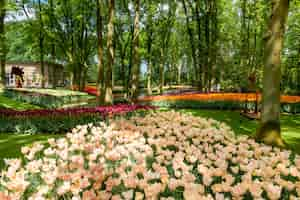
(59, 120)
(221, 105)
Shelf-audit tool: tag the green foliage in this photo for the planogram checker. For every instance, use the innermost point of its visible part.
(235, 51)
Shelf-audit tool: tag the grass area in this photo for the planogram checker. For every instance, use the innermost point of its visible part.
(10, 145)
(16, 105)
(290, 124)
(50, 98)
(53, 92)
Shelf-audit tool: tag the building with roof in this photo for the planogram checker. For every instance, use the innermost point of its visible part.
(32, 77)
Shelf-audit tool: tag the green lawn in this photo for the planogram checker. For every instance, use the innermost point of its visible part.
(16, 105)
(290, 124)
(10, 144)
(54, 92)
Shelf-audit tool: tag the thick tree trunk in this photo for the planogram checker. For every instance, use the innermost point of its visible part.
(135, 54)
(2, 44)
(100, 82)
(108, 99)
(269, 131)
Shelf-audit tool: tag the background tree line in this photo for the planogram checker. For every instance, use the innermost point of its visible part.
(143, 43)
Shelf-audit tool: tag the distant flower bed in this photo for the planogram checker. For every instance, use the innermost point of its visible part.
(58, 120)
(164, 155)
(47, 98)
(219, 97)
(289, 104)
(92, 90)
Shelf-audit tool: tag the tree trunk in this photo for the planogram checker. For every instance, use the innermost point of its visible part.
(179, 67)
(100, 82)
(200, 76)
(149, 76)
(191, 36)
(149, 51)
(161, 71)
(41, 44)
(108, 99)
(2, 44)
(208, 49)
(269, 131)
(135, 54)
(53, 56)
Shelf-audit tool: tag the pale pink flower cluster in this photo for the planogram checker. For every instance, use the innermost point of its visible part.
(149, 157)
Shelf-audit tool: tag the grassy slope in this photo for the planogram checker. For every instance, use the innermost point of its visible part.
(290, 124)
(12, 104)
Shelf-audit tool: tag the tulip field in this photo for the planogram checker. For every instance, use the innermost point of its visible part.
(163, 155)
(144, 152)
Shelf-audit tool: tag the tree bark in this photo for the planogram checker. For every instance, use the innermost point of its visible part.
(2, 43)
(149, 77)
(135, 54)
(108, 99)
(270, 116)
(41, 44)
(161, 71)
(100, 82)
(53, 56)
(200, 76)
(149, 51)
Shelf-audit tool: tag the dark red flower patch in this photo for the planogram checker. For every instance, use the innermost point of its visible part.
(102, 110)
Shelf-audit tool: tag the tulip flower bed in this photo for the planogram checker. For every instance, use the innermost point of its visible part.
(47, 98)
(230, 101)
(166, 155)
(58, 120)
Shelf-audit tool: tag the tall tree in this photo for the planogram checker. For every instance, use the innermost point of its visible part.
(191, 41)
(149, 44)
(108, 99)
(100, 82)
(53, 52)
(2, 43)
(269, 130)
(135, 54)
(41, 42)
